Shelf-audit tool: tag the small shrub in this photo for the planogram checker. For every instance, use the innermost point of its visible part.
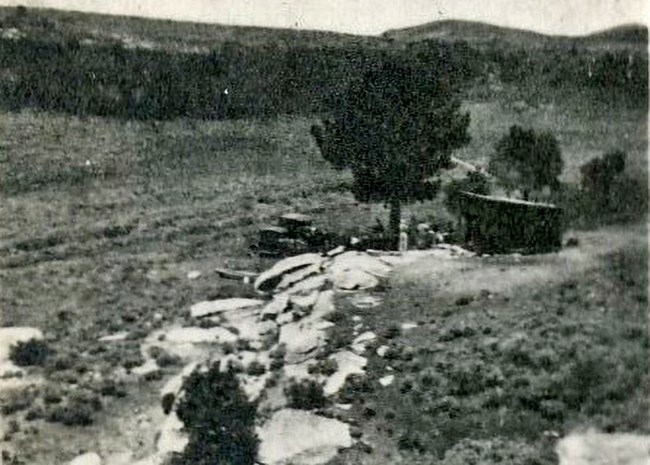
(220, 421)
(255, 369)
(305, 395)
(79, 410)
(31, 352)
(391, 332)
(356, 387)
(326, 367)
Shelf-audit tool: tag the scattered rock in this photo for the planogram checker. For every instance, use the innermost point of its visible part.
(90, 458)
(194, 274)
(349, 261)
(336, 251)
(593, 448)
(194, 335)
(114, 337)
(301, 338)
(365, 301)
(381, 351)
(324, 305)
(347, 363)
(387, 380)
(148, 370)
(276, 306)
(219, 306)
(300, 274)
(301, 438)
(307, 286)
(268, 280)
(359, 343)
(305, 301)
(353, 280)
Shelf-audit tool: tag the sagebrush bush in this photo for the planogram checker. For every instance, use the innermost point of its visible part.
(31, 352)
(220, 420)
(305, 395)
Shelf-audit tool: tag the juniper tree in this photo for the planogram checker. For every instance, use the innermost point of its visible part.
(395, 129)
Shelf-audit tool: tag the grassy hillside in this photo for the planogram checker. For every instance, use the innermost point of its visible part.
(481, 34)
(147, 69)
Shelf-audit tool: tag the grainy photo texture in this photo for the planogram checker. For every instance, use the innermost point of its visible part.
(307, 232)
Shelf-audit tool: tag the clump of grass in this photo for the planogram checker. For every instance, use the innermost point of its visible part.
(325, 367)
(255, 369)
(306, 395)
(78, 410)
(31, 352)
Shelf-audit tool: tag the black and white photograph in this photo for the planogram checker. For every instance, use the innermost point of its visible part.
(324, 232)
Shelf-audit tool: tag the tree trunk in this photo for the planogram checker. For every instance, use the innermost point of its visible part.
(394, 220)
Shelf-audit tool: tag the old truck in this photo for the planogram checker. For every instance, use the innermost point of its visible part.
(293, 234)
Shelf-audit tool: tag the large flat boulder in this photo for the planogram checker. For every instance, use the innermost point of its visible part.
(353, 279)
(268, 280)
(360, 261)
(302, 338)
(214, 307)
(301, 438)
(194, 335)
(290, 279)
(594, 448)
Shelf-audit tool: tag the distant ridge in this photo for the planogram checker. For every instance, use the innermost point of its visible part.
(482, 33)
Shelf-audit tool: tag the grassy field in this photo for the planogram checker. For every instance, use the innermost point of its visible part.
(509, 354)
(103, 218)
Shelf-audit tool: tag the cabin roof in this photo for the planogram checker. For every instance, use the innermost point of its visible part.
(509, 201)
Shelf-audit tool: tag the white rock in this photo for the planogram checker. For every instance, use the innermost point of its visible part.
(171, 438)
(150, 366)
(359, 343)
(298, 275)
(91, 458)
(301, 438)
(276, 306)
(356, 318)
(323, 306)
(194, 274)
(114, 337)
(381, 351)
(309, 285)
(285, 318)
(336, 251)
(365, 301)
(348, 363)
(343, 406)
(301, 338)
(353, 279)
(387, 380)
(268, 280)
(360, 261)
(194, 335)
(12, 335)
(408, 325)
(219, 306)
(593, 448)
(305, 301)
